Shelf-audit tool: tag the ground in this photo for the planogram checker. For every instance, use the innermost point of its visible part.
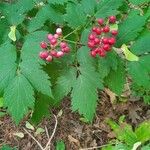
(75, 133)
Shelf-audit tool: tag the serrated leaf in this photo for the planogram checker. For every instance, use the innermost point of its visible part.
(31, 47)
(116, 79)
(85, 101)
(41, 109)
(106, 8)
(37, 77)
(129, 30)
(143, 131)
(44, 14)
(64, 84)
(141, 45)
(138, 2)
(75, 15)
(12, 33)
(84, 97)
(19, 97)
(57, 2)
(105, 65)
(15, 13)
(89, 6)
(7, 68)
(29, 125)
(129, 55)
(139, 72)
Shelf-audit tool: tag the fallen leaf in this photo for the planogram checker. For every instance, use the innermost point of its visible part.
(19, 134)
(111, 95)
(73, 140)
(29, 126)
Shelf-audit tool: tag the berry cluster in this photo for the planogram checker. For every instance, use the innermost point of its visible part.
(101, 38)
(55, 47)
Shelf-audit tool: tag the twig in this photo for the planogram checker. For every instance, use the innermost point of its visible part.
(50, 139)
(41, 147)
(47, 132)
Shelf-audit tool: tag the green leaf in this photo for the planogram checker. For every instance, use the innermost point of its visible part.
(116, 79)
(138, 2)
(128, 29)
(12, 33)
(89, 6)
(109, 63)
(124, 133)
(15, 13)
(7, 65)
(75, 15)
(128, 55)
(64, 84)
(19, 97)
(44, 14)
(106, 8)
(87, 83)
(60, 145)
(57, 2)
(6, 147)
(84, 97)
(41, 109)
(39, 131)
(29, 126)
(31, 47)
(143, 131)
(141, 45)
(4, 30)
(37, 77)
(139, 72)
(1, 102)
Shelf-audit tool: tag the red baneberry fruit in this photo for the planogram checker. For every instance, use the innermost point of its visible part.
(43, 45)
(112, 19)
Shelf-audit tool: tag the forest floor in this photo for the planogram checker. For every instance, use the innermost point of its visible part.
(75, 133)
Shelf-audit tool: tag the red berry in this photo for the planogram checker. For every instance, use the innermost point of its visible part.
(50, 37)
(100, 21)
(66, 50)
(96, 40)
(105, 40)
(43, 45)
(112, 19)
(94, 29)
(106, 29)
(56, 36)
(102, 53)
(43, 54)
(53, 41)
(60, 54)
(114, 32)
(112, 41)
(98, 31)
(49, 58)
(93, 53)
(53, 53)
(63, 44)
(91, 36)
(91, 44)
(106, 47)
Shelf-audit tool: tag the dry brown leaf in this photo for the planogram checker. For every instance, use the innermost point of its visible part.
(73, 140)
(111, 95)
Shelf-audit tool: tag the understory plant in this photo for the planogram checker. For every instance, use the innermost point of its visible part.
(50, 49)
